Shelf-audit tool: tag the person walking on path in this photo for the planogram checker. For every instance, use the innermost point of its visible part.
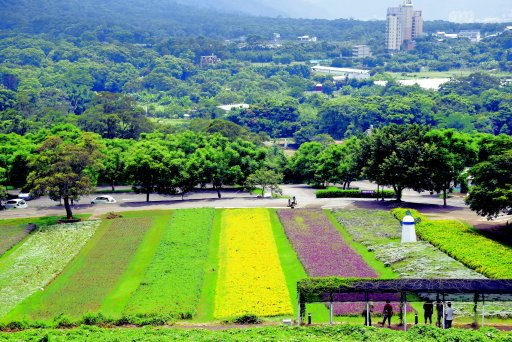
(439, 309)
(448, 316)
(388, 312)
(428, 311)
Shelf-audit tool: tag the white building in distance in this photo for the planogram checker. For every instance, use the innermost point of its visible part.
(361, 51)
(307, 39)
(342, 73)
(404, 24)
(473, 35)
(230, 107)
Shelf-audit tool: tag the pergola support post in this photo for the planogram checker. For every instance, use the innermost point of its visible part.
(475, 310)
(404, 296)
(331, 313)
(299, 317)
(444, 313)
(483, 310)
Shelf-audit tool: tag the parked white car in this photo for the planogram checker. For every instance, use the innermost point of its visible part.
(16, 203)
(103, 200)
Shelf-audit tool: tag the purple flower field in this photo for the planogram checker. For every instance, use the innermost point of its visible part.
(320, 246)
(323, 252)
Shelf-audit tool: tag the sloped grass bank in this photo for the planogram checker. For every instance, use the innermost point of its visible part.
(95, 272)
(315, 333)
(44, 255)
(462, 242)
(172, 282)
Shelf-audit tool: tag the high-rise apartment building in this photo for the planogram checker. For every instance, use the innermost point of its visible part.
(404, 24)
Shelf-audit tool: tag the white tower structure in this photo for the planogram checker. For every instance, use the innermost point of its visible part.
(408, 228)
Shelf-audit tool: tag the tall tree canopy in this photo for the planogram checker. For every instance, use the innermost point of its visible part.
(491, 193)
(65, 170)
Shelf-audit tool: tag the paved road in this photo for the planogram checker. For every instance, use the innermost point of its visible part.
(304, 194)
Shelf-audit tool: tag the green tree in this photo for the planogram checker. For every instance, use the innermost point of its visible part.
(3, 189)
(264, 179)
(304, 163)
(491, 193)
(113, 171)
(396, 156)
(64, 170)
(451, 152)
(146, 167)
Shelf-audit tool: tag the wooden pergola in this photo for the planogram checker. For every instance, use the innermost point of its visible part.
(333, 290)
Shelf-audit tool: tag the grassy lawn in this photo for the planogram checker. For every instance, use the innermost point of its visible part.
(172, 282)
(206, 304)
(92, 276)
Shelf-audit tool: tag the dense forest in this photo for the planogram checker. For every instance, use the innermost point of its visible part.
(132, 70)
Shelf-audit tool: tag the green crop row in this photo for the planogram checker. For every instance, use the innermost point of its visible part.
(339, 193)
(172, 282)
(282, 333)
(465, 244)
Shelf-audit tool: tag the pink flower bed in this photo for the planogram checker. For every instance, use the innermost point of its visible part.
(320, 246)
(323, 252)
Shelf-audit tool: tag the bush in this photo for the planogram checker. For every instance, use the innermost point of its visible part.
(112, 215)
(338, 193)
(144, 319)
(63, 321)
(96, 319)
(247, 319)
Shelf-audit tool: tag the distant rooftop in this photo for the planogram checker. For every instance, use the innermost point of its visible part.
(229, 107)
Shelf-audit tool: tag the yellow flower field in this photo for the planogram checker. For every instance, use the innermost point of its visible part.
(251, 279)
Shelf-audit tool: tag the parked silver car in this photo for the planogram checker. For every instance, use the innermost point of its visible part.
(103, 200)
(16, 203)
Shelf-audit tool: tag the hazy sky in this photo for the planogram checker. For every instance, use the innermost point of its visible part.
(461, 10)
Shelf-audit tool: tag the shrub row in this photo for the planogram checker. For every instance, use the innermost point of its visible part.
(63, 321)
(345, 332)
(339, 193)
(464, 243)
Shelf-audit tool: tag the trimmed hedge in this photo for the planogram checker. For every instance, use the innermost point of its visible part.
(465, 244)
(339, 193)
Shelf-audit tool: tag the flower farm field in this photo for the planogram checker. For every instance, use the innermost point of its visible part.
(93, 275)
(39, 259)
(13, 231)
(380, 232)
(250, 276)
(324, 251)
(205, 265)
(491, 258)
